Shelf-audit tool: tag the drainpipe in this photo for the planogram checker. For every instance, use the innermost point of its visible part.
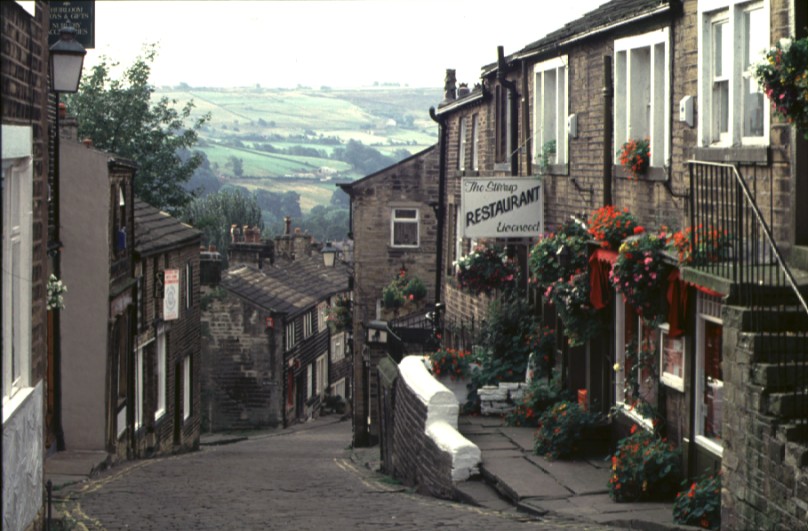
(526, 121)
(513, 96)
(440, 210)
(608, 133)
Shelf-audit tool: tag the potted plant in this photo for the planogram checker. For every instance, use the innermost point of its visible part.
(561, 429)
(700, 504)
(644, 467)
(783, 75)
(702, 245)
(609, 226)
(635, 156)
(402, 290)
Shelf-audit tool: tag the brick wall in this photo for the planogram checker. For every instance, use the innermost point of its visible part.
(24, 85)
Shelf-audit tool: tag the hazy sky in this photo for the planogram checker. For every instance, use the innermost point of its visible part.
(284, 43)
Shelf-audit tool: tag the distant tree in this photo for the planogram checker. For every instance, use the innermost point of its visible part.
(279, 204)
(204, 180)
(340, 199)
(120, 116)
(364, 159)
(214, 214)
(400, 154)
(237, 165)
(326, 223)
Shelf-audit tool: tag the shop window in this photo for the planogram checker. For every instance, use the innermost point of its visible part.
(636, 374)
(671, 359)
(709, 385)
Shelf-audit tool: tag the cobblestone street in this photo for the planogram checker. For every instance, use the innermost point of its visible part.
(302, 479)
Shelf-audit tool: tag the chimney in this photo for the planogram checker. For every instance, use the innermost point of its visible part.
(288, 221)
(449, 86)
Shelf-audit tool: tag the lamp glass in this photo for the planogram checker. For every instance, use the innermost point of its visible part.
(329, 255)
(66, 72)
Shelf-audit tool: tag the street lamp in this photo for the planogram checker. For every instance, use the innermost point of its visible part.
(329, 254)
(66, 60)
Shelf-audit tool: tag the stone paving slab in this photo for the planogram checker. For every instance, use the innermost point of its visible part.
(491, 441)
(522, 437)
(482, 420)
(480, 494)
(518, 478)
(578, 476)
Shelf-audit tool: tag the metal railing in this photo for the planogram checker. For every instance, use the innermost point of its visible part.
(730, 238)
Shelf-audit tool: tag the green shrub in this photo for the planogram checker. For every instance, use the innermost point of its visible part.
(537, 397)
(560, 430)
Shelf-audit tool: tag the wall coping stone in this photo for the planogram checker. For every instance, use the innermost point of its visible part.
(440, 402)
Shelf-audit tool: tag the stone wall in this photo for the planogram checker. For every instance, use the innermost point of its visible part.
(420, 443)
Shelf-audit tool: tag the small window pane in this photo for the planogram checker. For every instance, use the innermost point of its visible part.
(405, 234)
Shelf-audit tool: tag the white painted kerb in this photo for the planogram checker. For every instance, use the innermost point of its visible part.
(441, 418)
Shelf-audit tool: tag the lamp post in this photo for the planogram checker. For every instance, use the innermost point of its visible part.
(329, 254)
(66, 61)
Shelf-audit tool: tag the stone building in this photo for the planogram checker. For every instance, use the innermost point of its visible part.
(395, 228)
(27, 420)
(269, 357)
(725, 383)
(166, 362)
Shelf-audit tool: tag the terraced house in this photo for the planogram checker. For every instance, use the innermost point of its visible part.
(719, 354)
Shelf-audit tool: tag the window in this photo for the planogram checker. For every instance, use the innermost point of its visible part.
(461, 145)
(321, 316)
(291, 340)
(503, 125)
(405, 227)
(550, 138)
(337, 347)
(321, 376)
(186, 387)
(709, 378)
(733, 34)
(189, 285)
(636, 382)
(307, 324)
(671, 359)
(475, 142)
(17, 258)
(309, 380)
(138, 388)
(642, 93)
(160, 374)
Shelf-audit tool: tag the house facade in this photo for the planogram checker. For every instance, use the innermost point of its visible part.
(395, 228)
(26, 166)
(98, 322)
(167, 350)
(269, 356)
(722, 378)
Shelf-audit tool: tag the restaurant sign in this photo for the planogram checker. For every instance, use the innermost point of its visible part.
(494, 207)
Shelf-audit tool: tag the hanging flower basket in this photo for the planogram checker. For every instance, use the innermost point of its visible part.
(338, 317)
(484, 270)
(56, 291)
(402, 290)
(783, 75)
(638, 273)
(545, 264)
(635, 156)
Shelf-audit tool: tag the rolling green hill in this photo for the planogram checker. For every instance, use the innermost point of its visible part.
(286, 139)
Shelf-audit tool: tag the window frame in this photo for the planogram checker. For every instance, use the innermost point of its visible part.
(395, 219)
(627, 52)
(321, 374)
(291, 340)
(461, 143)
(308, 324)
(711, 12)
(17, 259)
(337, 347)
(187, 408)
(556, 118)
(475, 142)
(707, 308)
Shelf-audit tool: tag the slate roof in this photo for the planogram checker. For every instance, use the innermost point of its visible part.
(288, 286)
(156, 230)
(606, 15)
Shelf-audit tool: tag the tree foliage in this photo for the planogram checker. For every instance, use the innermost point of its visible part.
(214, 214)
(120, 117)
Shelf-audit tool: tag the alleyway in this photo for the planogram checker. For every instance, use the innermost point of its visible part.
(295, 479)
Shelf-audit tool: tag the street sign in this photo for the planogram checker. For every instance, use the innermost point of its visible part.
(494, 207)
(79, 14)
(171, 301)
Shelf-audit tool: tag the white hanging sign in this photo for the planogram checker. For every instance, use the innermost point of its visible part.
(494, 207)
(171, 304)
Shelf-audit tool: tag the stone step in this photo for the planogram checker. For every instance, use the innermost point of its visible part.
(798, 258)
(787, 405)
(775, 348)
(779, 377)
(774, 319)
